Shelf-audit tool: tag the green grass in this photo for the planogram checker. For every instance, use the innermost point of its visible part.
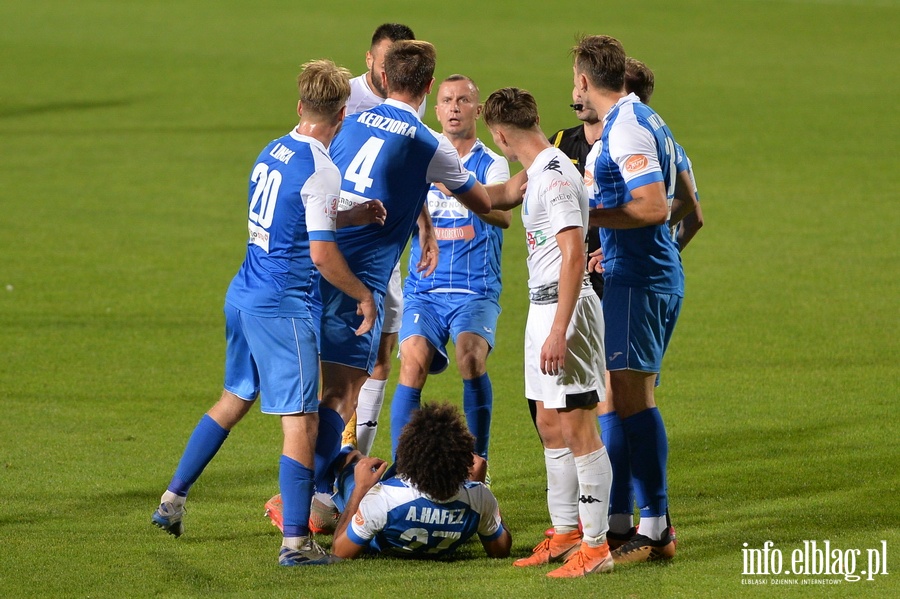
(128, 130)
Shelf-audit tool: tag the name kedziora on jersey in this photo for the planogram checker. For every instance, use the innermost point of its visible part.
(384, 123)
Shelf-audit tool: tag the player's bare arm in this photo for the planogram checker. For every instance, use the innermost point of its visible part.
(366, 474)
(648, 206)
(510, 194)
(427, 243)
(689, 227)
(363, 213)
(475, 199)
(499, 547)
(685, 201)
(498, 218)
(331, 264)
(571, 275)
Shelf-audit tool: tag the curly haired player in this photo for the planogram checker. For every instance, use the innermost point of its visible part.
(429, 507)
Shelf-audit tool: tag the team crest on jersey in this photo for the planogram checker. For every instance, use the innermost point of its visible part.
(636, 163)
(331, 206)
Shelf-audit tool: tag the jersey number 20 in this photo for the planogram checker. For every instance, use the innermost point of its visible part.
(265, 195)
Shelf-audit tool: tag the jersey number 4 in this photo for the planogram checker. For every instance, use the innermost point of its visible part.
(361, 166)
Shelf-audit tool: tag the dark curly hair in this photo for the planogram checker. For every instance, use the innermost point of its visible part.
(435, 451)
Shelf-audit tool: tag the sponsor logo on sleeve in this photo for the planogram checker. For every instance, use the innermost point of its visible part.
(358, 519)
(588, 177)
(636, 163)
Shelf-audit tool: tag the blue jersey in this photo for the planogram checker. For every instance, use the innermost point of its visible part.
(469, 257)
(293, 198)
(636, 149)
(387, 153)
(397, 519)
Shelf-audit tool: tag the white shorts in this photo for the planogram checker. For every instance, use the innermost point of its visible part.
(584, 371)
(393, 303)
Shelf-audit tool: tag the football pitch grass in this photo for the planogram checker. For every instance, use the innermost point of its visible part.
(128, 130)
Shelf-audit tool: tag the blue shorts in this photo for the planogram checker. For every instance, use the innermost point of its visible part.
(339, 343)
(439, 316)
(639, 325)
(274, 357)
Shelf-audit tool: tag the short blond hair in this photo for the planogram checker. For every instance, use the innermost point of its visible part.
(324, 87)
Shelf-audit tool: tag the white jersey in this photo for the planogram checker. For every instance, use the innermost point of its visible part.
(363, 98)
(555, 199)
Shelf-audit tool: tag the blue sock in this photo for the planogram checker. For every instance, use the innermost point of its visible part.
(406, 401)
(296, 484)
(649, 454)
(328, 444)
(621, 497)
(202, 446)
(478, 401)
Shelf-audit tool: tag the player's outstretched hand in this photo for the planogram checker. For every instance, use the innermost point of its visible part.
(368, 471)
(366, 309)
(595, 261)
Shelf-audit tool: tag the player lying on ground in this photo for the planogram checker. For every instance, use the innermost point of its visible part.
(429, 507)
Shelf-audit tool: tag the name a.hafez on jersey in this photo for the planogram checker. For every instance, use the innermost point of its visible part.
(427, 515)
(386, 124)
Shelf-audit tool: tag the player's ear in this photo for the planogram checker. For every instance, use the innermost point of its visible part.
(478, 109)
(430, 85)
(300, 108)
(384, 81)
(370, 60)
(581, 83)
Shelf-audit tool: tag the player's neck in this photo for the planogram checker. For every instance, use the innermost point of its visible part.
(410, 100)
(593, 131)
(529, 145)
(603, 101)
(320, 131)
(463, 144)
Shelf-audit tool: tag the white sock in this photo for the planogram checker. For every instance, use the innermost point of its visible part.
(324, 498)
(293, 542)
(368, 408)
(594, 482)
(653, 527)
(169, 496)
(562, 489)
